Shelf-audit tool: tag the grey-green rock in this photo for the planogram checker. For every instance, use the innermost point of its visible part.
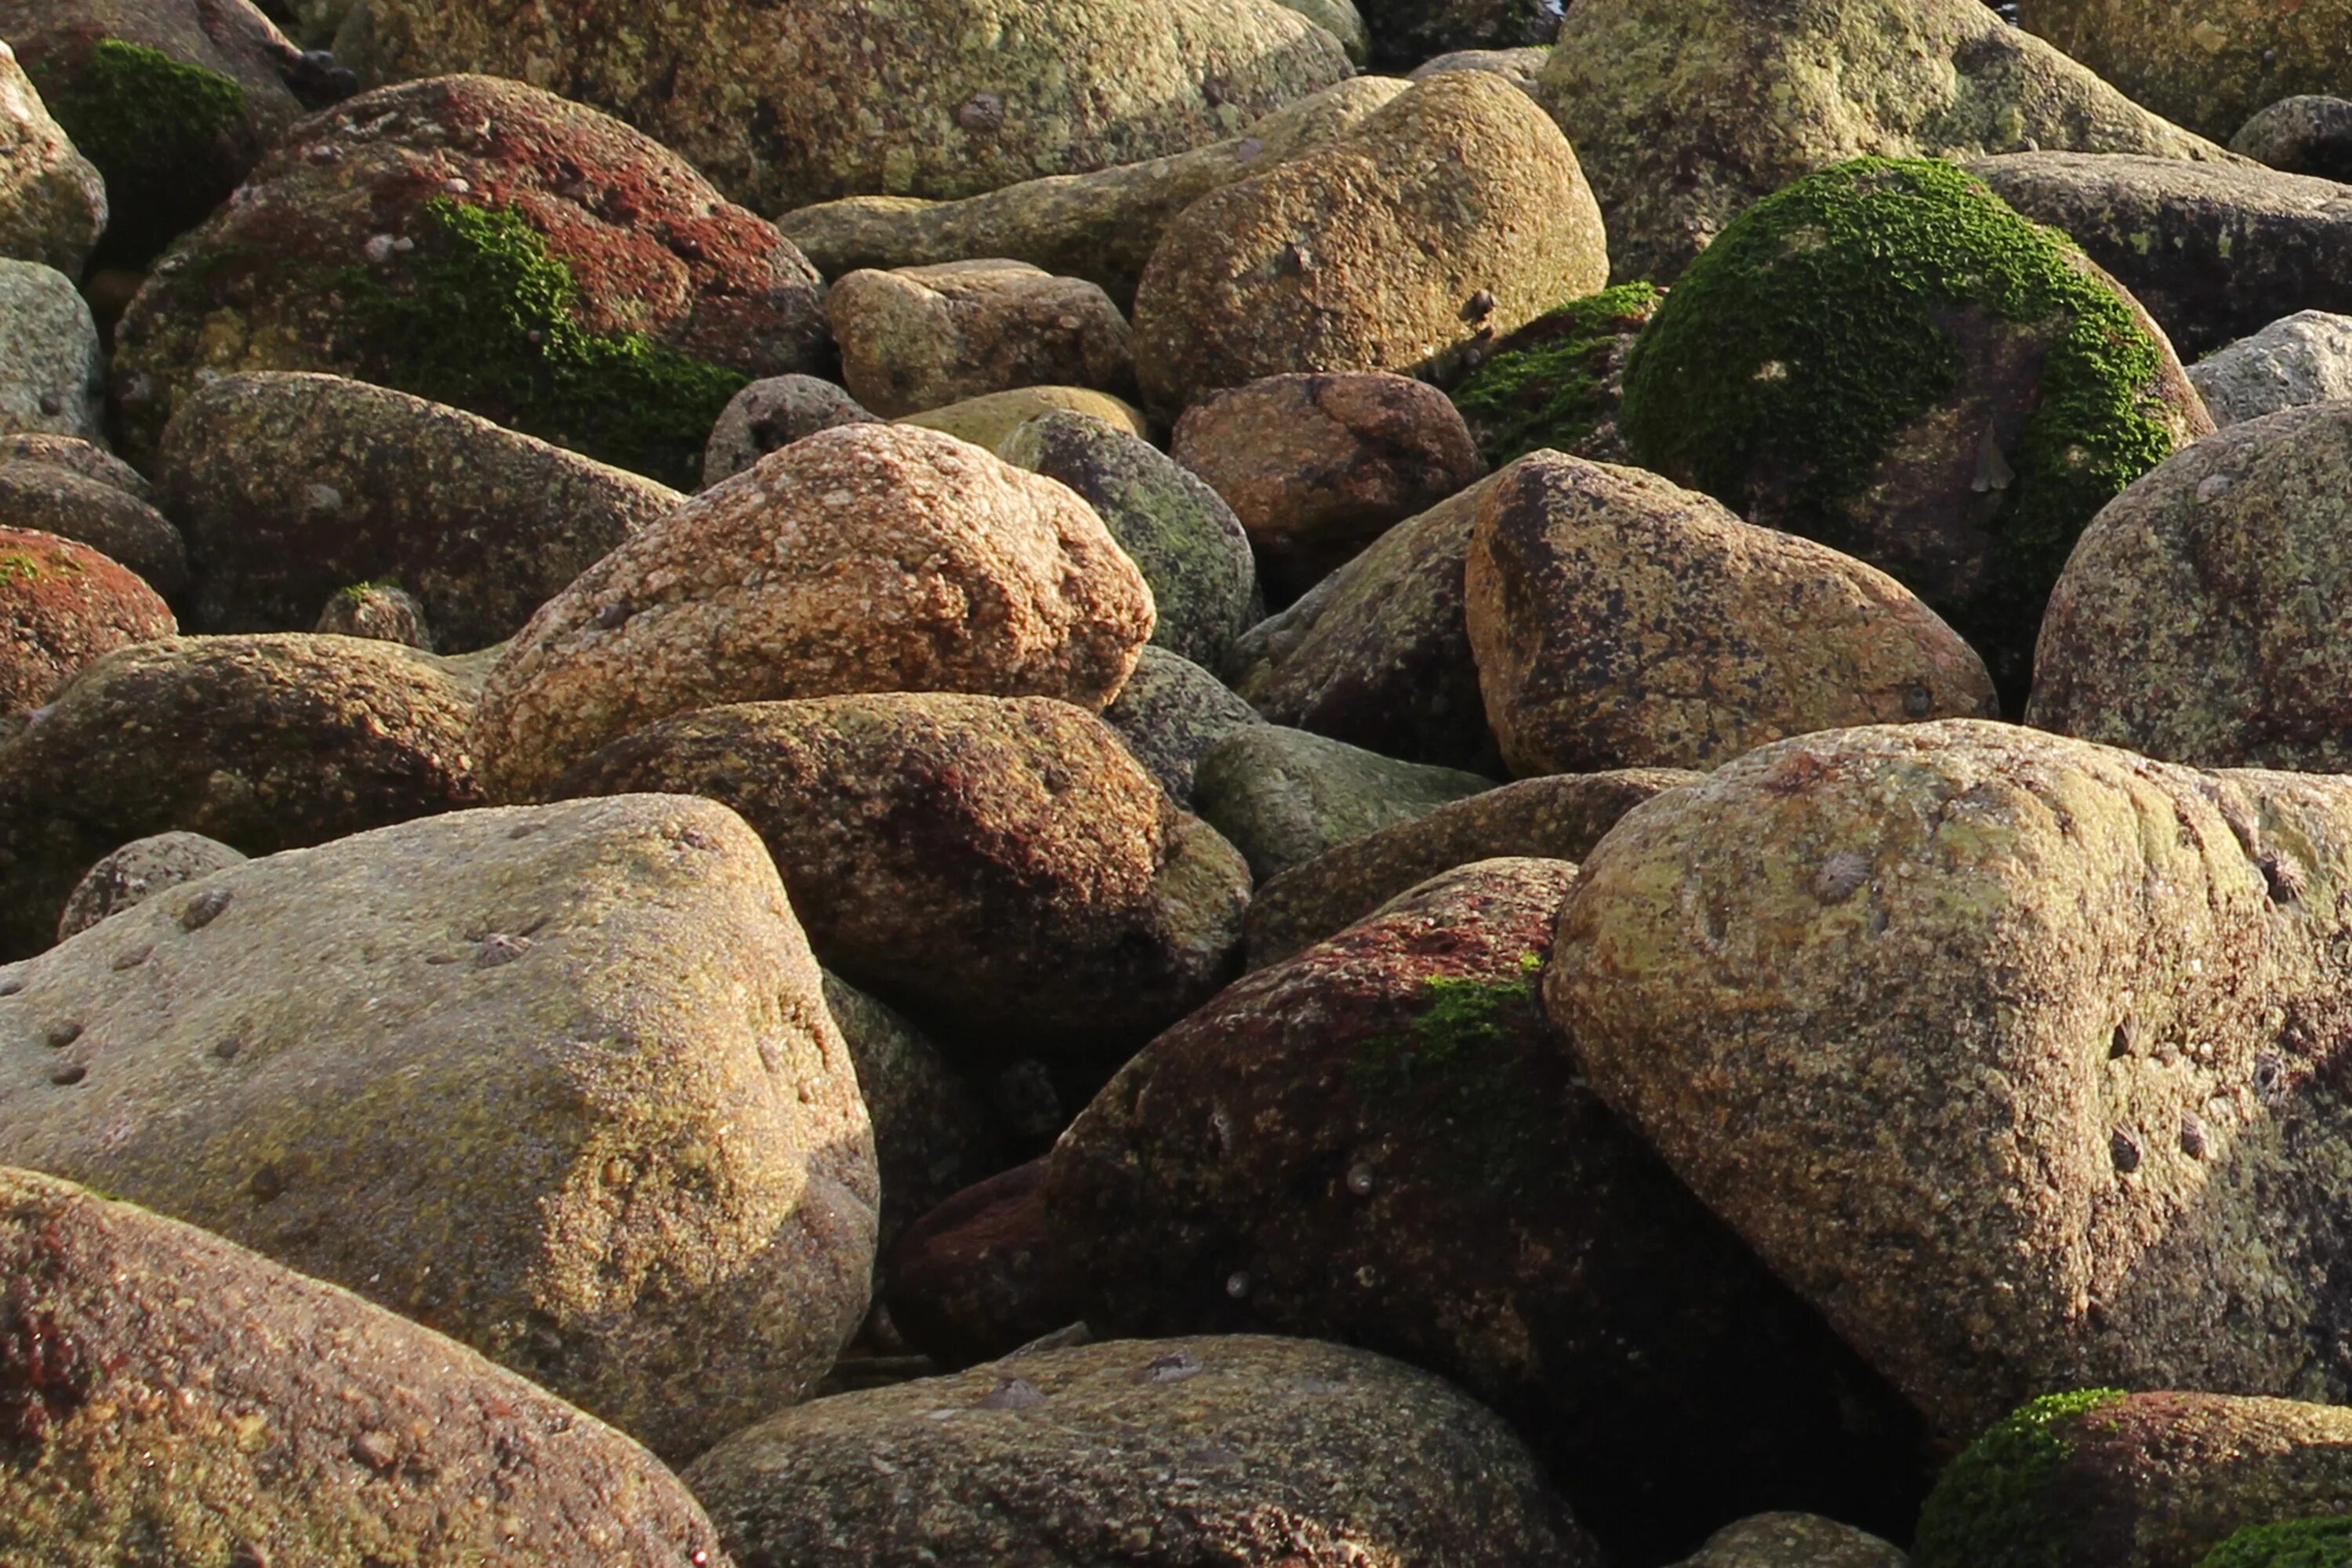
(1169, 713)
(116, 522)
(137, 872)
(1283, 796)
(52, 370)
(2305, 134)
(2300, 359)
(774, 411)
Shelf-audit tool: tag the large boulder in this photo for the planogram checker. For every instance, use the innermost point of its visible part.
(1557, 381)
(52, 368)
(1382, 1141)
(1283, 796)
(784, 106)
(172, 1397)
(293, 487)
(51, 498)
(489, 246)
(865, 558)
(2299, 359)
(1000, 863)
(52, 199)
(62, 606)
(1456, 210)
(559, 1081)
(774, 411)
(265, 742)
(1620, 621)
(990, 419)
(1886, 358)
(1161, 1455)
(2210, 66)
(2012, 1052)
(2304, 134)
(1685, 114)
(924, 337)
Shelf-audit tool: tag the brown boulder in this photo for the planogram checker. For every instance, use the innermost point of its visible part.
(924, 337)
(63, 604)
(56, 497)
(981, 1275)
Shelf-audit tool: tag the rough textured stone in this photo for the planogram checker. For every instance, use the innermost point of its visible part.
(2188, 625)
(1794, 1540)
(1180, 533)
(1378, 654)
(2301, 135)
(987, 420)
(2210, 65)
(1169, 713)
(52, 199)
(1557, 818)
(1556, 384)
(2303, 358)
(1317, 467)
(294, 486)
(1686, 112)
(932, 98)
(52, 370)
(377, 610)
(2213, 251)
(1621, 621)
(559, 1081)
(1456, 210)
(1519, 67)
(137, 872)
(865, 558)
(63, 604)
(1101, 225)
(263, 742)
(1242, 1449)
(489, 246)
(999, 862)
(1283, 796)
(117, 523)
(924, 337)
(2013, 1053)
(1886, 358)
(1383, 1141)
(981, 1275)
(774, 412)
(1341, 20)
(1405, 33)
(173, 1397)
(78, 454)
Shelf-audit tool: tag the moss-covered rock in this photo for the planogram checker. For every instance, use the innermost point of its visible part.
(2297, 1543)
(1283, 796)
(384, 611)
(1556, 381)
(1887, 359)
(62, 606)
(52, 199)
(2210, 66)
(486, 245)
(924, 337)
(116, 523)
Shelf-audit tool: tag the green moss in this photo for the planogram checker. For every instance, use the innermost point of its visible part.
(482, 317)
(17, 566)
(1812, 330)
(1990, 1508)
(1553, 391)
(2300, 1544)
(1446, 1064)
(129, 107)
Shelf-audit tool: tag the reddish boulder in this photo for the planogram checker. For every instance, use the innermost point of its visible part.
(61, 605)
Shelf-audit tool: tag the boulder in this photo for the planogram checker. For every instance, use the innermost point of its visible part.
(987, 420)
(175, 1397)
(1180, 534)
(52, 370)
(63, 604)
(1455, 211)
(137, 872)
(263, 742)
(1938, 387)
(1407, 32)
(293, 487)
(2300, 359)
(1685, 114)
(1521, 66)
(774, 412)
(2008, 1051)
(377, 610)
(2323, 1542)
(924, 337)
(1169, 713)
(1241, 1449)
(77, 454)
(2209, 68)
(865, 558)
(981, 1275)
(1620, 621)
(2305, 134)
(118, 523)
(1000, 863)
(489, 246)
(1556, 383)
(1382, 1141)
(558, 1081)
(1283, 796)
(52, 199)
(1794, 1540)
(1317, 467)
(934, 97)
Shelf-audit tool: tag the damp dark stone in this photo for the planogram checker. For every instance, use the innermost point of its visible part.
(69, 1074)
(1919, 701)
(61, 1036)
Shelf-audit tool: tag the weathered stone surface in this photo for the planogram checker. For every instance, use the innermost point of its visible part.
(1317, 467)
(1794, 1540)
(488, 246)
(1283, 796)
(1557, 819)
(1378, 653)
(1405, 33)
(1180, 532)
(1556, 383)
(1382, 1140)
(2187, 624)
(1620, 621)
(2290, 1543)
(55, 499)
(999, 862)
(2301, 359)
(933, 98)
(137, 872)
(173, 1397)
(987, 420)
(2107, 1479)
(559, 1081)
(2214, 251)
(981, 1274)
(293, 486)
(263, 742)
(1341, 20)
(52, 199)
(62, 606)
(1686, 112)
(2208, 65)
(377, 610)
(924, 337)
(1101, 225)
(2011, 1052)
(1241, 1449)
(2301, 135)
(75, 453)
(865, 558)
(1886, 358)
(52, 370)
(1456, 210)
(1169, 713)
(1519, 67)
(774, 412)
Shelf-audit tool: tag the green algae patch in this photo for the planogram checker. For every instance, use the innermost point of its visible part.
(2298, 1543)
(484, 318)
(129, 108)
(1552, 390)
(1989, 1509)
(1462, 1015)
